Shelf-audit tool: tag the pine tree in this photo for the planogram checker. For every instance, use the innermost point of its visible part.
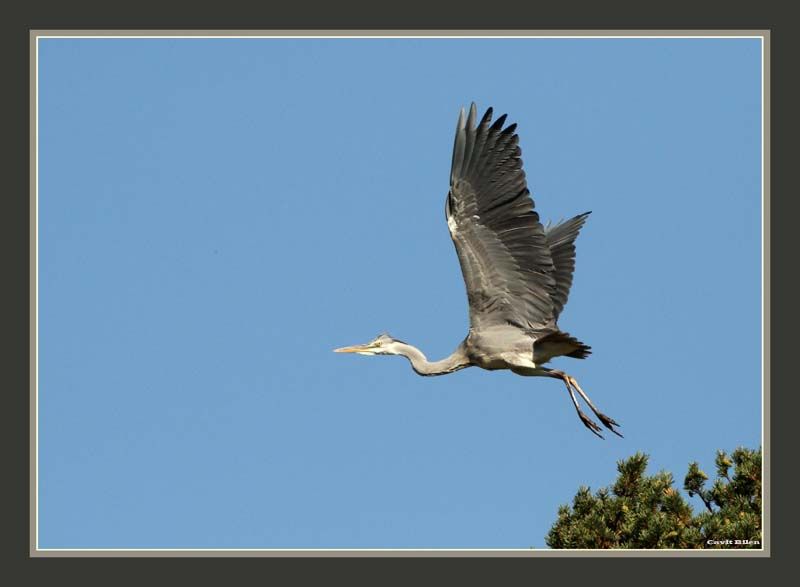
(641, 511)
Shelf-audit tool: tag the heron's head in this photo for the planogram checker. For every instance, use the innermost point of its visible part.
(382, 344)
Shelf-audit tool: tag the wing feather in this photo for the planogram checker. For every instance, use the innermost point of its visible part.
(501, 244)
(561, 240)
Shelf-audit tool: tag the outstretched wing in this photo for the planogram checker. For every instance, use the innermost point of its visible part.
(561, 240)
(500, 242)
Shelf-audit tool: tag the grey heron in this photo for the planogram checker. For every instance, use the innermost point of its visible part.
(517, 272)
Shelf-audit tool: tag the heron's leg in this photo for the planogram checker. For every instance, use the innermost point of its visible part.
(588, 422)
(607, 421)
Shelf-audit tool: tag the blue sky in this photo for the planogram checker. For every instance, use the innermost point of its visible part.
(215, 216)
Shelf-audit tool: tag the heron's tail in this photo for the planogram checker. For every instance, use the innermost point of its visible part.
(583, 350)
(563, 344)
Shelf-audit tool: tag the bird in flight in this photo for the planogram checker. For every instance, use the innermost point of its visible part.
(517, 272)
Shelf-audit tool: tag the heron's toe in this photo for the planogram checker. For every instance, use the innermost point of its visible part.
(590, 424)
(609, 423)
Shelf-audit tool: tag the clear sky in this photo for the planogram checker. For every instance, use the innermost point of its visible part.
(215, 216)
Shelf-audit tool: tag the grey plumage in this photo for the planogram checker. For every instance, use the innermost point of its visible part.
(561, 242)
(501, 245)
(517, 272)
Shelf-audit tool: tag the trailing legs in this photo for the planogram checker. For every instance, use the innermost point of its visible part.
(572, 387)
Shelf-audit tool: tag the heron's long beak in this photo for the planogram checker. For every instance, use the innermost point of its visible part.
(358, 348)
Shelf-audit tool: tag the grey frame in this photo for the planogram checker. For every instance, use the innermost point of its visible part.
(34, 551)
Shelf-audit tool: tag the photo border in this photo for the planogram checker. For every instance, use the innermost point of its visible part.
(764, 34)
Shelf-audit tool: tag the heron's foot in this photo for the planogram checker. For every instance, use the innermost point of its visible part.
(590, 424)
(609, 423)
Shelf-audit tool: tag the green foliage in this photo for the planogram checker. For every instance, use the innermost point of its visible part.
(641, 511)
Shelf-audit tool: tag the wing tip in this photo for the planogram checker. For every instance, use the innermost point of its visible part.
(459, 146)
(498, 124)
(510, 129)
(473, 114)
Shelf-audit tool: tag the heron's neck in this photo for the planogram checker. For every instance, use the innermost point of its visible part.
(421, 365)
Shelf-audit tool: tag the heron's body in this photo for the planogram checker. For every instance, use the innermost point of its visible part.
(507, 347)
(500, 347)
(517, 272)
